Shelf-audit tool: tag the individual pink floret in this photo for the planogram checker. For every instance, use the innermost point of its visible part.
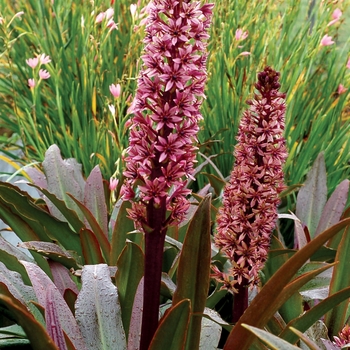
(44, 59)
(31, 83)
(115, 90)
(326, 40)
(336, 16)
(44, 74)
(32, 62)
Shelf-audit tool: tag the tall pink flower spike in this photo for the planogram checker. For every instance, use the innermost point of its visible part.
(161, 153)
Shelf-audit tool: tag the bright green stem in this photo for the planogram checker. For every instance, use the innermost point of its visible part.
(240, 302)
(154, 245)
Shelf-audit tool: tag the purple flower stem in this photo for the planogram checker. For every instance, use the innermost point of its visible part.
(240, 301)
(154, 245)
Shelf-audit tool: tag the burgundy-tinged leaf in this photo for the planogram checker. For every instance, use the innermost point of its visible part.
(63, 176)
(40, 282)
(62, 277)
(94, 198)
(34, 330)
(336, 318)
(334, 207)
(14, 283)
(312, 196)
(300, 237)
(136, 319)
(122, 226)
(70, 297)
(52, 251)
(91, 248)
(95, 227)
(37, 176)
(98, 310)
(53, 324)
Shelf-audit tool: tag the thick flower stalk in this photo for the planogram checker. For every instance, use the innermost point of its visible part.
(250, 200)
(161, 153)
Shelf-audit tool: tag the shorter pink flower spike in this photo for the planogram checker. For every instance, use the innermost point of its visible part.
(326, 40)
(32, 62)
(31, 83)
(44, 74)
(336, 16)
(342, 89)
(115, 90)
(348, 64)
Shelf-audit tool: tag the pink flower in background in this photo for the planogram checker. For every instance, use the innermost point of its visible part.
(240, 34)
(336, 16)
(100, 17)
(249, 211)
(109, 13)
(31, 83)
(326, 40)
(1, 20)
(111, 109)
(341, 89)
(44, 59)
(32, 62)
(113, 183)
(19, 14)
(44, 74)
(111, 24)
(115, 90)
(348, 64)
(245, 53)
(133, 8)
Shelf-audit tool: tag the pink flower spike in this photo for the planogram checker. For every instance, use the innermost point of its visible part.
(100, 17)
(341, 89)
(113, 183)
(240, 35)
(44, 59)
(31, 83)
(326, 40)
(336, 16)
(1, 20)
(115, 90)
(32, 62)
(44, 74)
(348, 64)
